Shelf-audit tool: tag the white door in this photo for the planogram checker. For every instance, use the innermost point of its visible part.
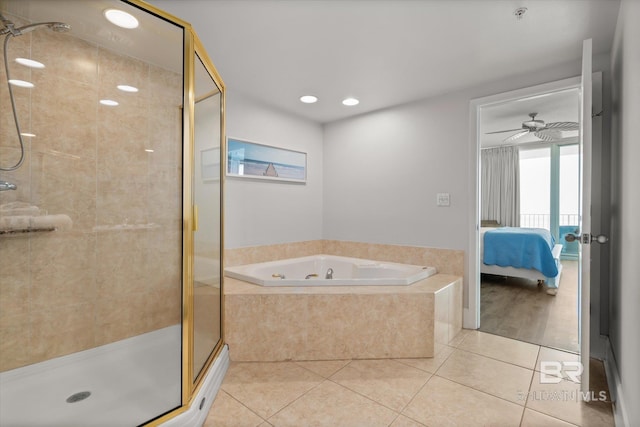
(585, 214)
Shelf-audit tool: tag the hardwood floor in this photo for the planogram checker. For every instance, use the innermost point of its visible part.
(520, 309)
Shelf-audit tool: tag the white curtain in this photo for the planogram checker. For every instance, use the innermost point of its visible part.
(501, 185)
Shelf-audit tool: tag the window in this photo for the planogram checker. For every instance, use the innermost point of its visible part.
(549, 191)
(535, 188)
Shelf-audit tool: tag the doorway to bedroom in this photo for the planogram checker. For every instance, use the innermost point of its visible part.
(529, 162)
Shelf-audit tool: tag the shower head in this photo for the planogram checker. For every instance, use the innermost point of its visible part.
(58, 27)
(8, 28)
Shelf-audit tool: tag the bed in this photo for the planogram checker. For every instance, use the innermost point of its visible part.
(529, 253)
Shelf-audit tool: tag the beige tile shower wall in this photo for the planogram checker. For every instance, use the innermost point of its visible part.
(447, 261)
(117, 272)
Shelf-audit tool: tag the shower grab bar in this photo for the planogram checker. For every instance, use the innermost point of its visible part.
(26, 230)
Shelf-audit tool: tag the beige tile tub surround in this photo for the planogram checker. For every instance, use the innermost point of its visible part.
(340, 322)
(63, 292)
(447, 261)
(255, 254)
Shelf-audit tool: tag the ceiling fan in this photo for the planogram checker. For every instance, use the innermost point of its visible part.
(544, 131)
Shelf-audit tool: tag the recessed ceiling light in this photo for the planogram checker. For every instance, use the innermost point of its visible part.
(350, 102)
(21, 83)
(28, 134)
(109, 102)
(127, 88)
(148, 150)
(29, 63)
(308, 99)
(121, 18)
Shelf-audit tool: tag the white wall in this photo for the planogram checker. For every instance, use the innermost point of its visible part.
(383, 169)
(266, 212)
(625, 235)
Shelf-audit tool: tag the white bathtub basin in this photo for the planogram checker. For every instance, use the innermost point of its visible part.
(311, 271)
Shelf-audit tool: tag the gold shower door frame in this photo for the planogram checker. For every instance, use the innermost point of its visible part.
(192, 47)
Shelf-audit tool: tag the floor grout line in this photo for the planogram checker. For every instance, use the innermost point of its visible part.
(414, 398)
(500, 360)
(295, 400)
(478, 390)
(365, 396)
(551, 416)
(526, 401)
(314, 372)
(239, 401)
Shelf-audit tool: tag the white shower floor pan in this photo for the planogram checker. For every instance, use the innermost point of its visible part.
(131, 381)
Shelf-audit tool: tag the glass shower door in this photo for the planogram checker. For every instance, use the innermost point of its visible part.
(91, 236)
(207, 316)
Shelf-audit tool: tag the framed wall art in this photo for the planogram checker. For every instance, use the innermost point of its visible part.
(252, 160)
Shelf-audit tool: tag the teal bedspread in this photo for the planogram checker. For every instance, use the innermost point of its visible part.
(521, 248)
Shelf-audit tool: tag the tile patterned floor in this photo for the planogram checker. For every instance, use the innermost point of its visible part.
(478, 380)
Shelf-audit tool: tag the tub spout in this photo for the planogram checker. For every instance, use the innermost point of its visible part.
(329, 274)
(6, 185)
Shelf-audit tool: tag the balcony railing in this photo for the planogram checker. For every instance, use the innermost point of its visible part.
(544, 220)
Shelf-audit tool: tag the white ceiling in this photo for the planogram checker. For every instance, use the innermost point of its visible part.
(385, 52)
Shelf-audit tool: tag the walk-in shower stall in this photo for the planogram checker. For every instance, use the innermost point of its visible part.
(111, 142)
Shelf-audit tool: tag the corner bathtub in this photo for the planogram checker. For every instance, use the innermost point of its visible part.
(311, 271)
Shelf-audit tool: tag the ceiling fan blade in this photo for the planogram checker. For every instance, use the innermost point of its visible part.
(516, 136)
(502, 131)
(563, 126)
(549, 135)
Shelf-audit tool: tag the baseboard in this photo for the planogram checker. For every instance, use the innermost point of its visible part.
(468, 320)
(615, 387)
(196, 415)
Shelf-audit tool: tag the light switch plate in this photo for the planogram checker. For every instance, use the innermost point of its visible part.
(442, 199)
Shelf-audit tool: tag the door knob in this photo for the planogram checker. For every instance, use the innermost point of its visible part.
(571, 237)
(586, 238)
(600, 238)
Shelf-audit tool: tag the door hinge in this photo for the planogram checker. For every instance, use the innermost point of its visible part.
(594, 115)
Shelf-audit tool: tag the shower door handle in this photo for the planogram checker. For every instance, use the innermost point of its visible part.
(195, 217)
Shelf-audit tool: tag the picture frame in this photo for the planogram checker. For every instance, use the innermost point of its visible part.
(210, 164)
(252, 160)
